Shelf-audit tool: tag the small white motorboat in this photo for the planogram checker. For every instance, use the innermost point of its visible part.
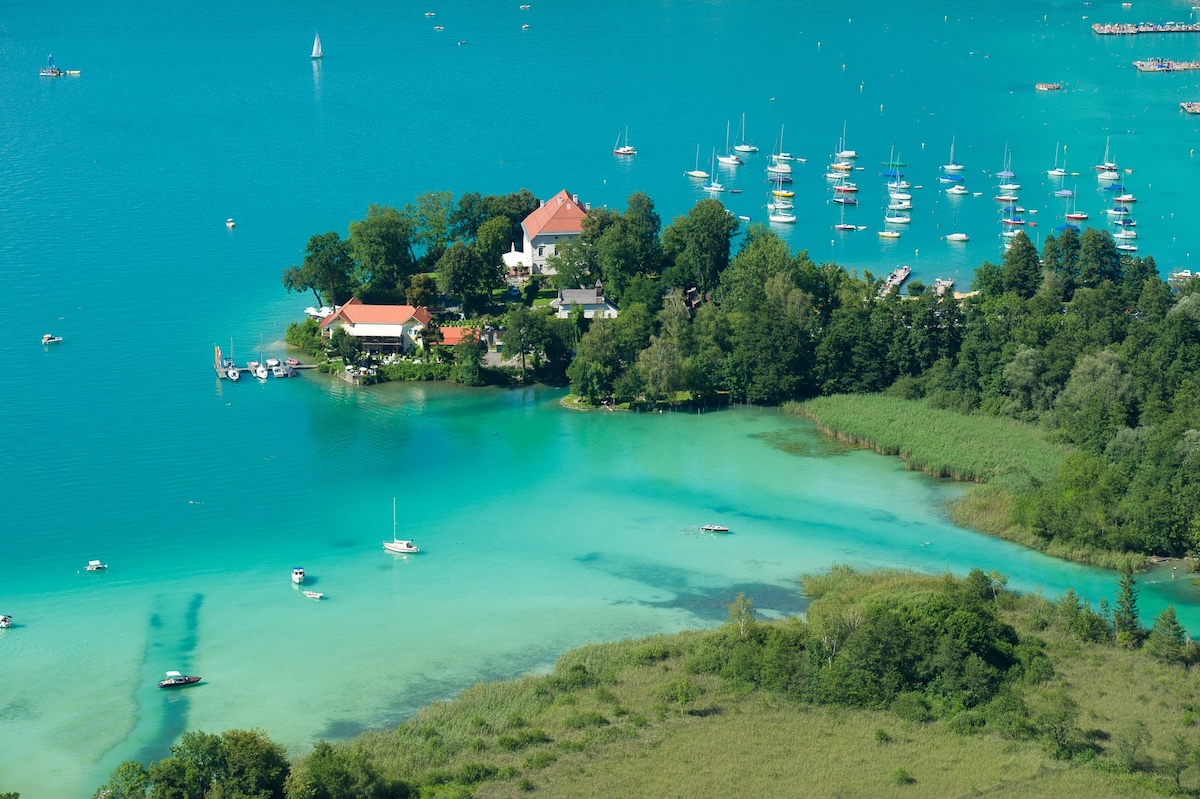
(233, 373)
(176, 679)
(50, 338)
(314, 594)
(298, 574)
(260, 371)
(229, 223)
(5, 621)
(714, 528)
(96, 566)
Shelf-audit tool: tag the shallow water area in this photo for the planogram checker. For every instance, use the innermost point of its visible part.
(540, 528)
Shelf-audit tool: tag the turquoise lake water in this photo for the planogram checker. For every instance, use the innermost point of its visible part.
(542, 529)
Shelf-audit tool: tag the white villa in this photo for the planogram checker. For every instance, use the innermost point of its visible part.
(383, 329)
(557, 221)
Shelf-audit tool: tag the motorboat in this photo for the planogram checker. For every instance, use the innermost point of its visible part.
(399, 545)
(260, 371)
(297, 574)
(283, 371)
(5, 621)
(95, 566)
(314, 594)
(233, 373)
(714, 528)
(318, 313)
(888, 234)
(229, 223)
(50, 338)
(177, 680)
(957, 191)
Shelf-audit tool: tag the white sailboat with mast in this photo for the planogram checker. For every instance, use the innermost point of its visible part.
(399, 545)
(317, 53)
(698, 173)
(730, 158)
(744, 146)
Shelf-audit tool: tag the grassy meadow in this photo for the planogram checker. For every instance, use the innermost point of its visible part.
(653, 718)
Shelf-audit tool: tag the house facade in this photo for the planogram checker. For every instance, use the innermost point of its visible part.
(381, 329)
(558, 221)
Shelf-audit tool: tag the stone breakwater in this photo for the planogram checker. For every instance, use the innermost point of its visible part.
(1128, 29)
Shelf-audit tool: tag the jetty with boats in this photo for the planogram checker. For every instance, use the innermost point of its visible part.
(1132, 29)
(1166, 65)
(898, 276)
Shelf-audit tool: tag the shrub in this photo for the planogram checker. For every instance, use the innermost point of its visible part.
(592, 718)
(472, 773)
(521, 739)
(576, 676)
(881, 737)
(902, 777)
(540, 760)
(912, 706)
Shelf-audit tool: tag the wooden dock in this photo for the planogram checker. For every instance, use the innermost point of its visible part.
(1166, 65)
(1133, 29)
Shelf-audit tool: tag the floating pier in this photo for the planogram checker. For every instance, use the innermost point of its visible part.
(1133, 29)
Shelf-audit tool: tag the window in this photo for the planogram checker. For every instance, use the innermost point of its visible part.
(541, 251)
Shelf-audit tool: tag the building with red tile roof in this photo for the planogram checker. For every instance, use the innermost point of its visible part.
(455, 335)
(381, 328)
(557, 221)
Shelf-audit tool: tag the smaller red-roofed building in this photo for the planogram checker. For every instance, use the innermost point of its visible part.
(558, 221)
(456, 335)
(382, 329)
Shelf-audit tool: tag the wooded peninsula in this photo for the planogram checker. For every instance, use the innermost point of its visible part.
(1066, 380)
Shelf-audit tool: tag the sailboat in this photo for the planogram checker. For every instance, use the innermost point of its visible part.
(398, 544)
(1106, 166)
(779, 159)
(697, 172)
(844, 225)
(956, 236)
(316, 53)
(730, 158)
(1075, 214)
(952, 165)
(844, 154)
(713, 184)
(1057, 171)
(626, 148)
(743, 146)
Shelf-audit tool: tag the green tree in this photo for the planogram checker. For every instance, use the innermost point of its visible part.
(130, 780)
(1125, 614)
(431, 214)
(468, 361)
(741, 614)
(697, 246)
(1168, 641)
(492, 240)
(422, 291)
(344, 345)
(1182, 755)
(382, 248)
(1021, 272)
(462, 273)
(341, 773)
(327, 267)
(525, 332)
(597, 362)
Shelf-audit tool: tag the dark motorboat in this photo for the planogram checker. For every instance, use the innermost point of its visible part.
(177, 680)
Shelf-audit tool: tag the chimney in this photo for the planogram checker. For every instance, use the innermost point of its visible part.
(587, 206)
(575, 198)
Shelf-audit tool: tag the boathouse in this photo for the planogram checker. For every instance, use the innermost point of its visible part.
(381, 329)
(557, 221)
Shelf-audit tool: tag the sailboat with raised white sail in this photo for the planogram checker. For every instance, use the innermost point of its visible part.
(399, 545)
(744, 146)
(730, 158)
(317, 53)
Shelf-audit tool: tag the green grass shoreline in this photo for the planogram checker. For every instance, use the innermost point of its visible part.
(1002, 457)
